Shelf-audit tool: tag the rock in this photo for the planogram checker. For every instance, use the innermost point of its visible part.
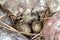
(6, 34)
(51, 29)
(5, 19)
(2, 1)
(54, 5)
(16, 6)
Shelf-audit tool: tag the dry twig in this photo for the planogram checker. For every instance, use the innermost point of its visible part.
(12, 29)
(2, 16)
(40, 34)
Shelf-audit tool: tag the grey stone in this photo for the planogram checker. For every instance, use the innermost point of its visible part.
(6, 34)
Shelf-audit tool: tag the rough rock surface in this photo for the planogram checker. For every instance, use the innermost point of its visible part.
(16, 6)
(5, 18)
(6, 34)
(54, 5)
(51, 29)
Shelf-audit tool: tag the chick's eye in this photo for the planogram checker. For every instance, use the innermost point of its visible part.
(12, 15)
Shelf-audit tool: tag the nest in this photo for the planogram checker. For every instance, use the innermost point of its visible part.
(42, 17)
